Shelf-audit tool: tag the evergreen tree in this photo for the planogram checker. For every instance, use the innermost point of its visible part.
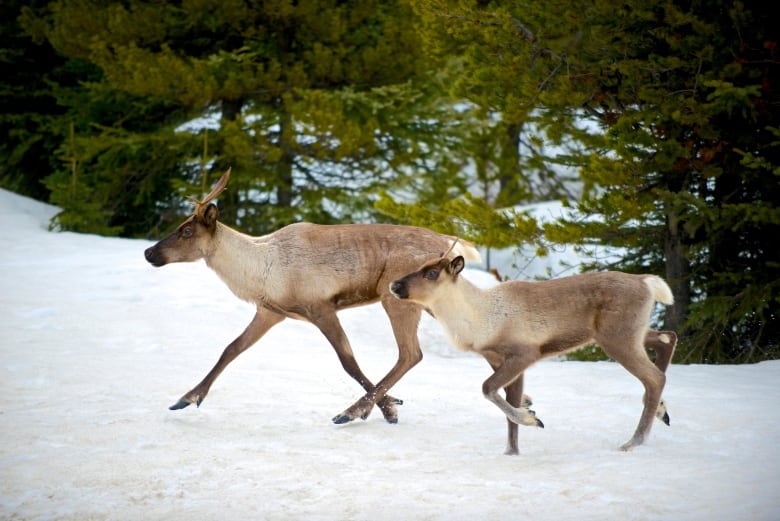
(303, 99)
(28, 107)
(679, 161)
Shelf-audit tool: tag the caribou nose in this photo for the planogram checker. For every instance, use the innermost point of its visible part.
(150, 254)
(398, 289)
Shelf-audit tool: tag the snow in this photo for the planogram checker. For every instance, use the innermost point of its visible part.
(95, 344)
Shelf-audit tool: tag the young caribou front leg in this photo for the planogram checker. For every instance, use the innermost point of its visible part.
(516, 398)
(507, 372)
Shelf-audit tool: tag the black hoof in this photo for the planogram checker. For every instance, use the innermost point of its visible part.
(181, 404)
(392, 421)
(389, 400)
(341, 418)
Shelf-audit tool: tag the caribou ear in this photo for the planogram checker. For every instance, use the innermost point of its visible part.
(210, 216)
(457, 264)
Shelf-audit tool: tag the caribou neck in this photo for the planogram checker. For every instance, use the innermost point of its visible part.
(459, 317)
(240, 261)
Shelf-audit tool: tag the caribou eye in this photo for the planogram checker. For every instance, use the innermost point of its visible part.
(186, 231)
(431, 274)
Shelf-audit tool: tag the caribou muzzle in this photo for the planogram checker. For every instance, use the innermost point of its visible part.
(399, 289)
(154, 257)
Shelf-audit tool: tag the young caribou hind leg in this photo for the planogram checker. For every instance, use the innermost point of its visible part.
(634, 358)
(663, 344)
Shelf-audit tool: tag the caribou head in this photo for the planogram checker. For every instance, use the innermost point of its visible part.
(192, 239)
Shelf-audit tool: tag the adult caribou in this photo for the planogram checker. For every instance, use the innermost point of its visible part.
(309, 272)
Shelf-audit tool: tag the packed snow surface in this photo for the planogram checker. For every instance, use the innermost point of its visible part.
(95, 344)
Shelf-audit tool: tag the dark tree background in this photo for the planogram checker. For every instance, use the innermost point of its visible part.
(316, 106)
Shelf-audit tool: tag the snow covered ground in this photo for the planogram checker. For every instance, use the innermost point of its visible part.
(95, 344)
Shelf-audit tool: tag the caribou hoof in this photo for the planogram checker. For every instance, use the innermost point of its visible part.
(350, 414)
(342, 418)
(388, 408)
(529, 418)
(181, 404)
(534, 421)
(629, 446)
(661, 412)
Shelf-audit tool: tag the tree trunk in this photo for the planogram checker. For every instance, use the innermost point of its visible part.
(677, 273)
(230, 200)
(284, 168)
(231, 108)
(509, 164)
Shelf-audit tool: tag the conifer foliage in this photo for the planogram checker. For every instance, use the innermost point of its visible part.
(658, 122)
(29, 72)
(297, 97)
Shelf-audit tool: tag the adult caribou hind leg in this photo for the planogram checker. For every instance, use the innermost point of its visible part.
(328, 323)
(260, 324)
(404, 319)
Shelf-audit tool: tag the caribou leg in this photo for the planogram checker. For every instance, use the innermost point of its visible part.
(260, 324)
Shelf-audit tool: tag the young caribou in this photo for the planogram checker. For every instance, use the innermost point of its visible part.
(309, 272)
(516, 323)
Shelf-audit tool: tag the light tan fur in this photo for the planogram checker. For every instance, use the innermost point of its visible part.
(310, 272)
(516, 323)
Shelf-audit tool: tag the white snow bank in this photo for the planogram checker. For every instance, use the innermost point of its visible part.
(95, 344)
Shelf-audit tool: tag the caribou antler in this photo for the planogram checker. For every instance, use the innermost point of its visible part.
(219, 187)
(452, 246)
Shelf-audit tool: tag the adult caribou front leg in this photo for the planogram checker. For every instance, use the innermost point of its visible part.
(261, 323)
